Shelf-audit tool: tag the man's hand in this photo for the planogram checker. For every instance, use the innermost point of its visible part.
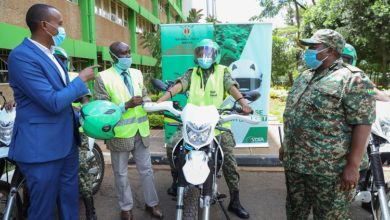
(10, 105)
(247, 109)
(135, 101)
(349, 178)
(88, 73)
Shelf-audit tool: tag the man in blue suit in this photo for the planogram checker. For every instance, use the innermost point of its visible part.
(45, 137)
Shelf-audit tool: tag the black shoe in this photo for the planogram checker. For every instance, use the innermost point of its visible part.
(172, 190)
(235, 206)
(90, 211)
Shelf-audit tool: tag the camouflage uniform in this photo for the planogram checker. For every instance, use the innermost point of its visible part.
(85, 178)
(227, 140)
(321, 110)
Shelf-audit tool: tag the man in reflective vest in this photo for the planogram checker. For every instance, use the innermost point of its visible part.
(208, 82)
(124, 86)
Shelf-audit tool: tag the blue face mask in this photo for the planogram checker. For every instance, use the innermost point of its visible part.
(310, 58)
(205, 63)
(60, 37)
(123, 63)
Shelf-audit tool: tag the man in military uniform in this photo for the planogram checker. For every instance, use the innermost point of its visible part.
(85, 178)
(207, 83)
(327, 121)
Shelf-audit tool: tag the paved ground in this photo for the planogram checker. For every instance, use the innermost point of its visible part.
(259, 156)
(262, 193)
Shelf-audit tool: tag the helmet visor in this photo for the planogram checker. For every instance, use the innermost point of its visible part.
(347, 58)
(205, 52)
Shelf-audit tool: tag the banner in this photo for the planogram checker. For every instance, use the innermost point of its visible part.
(246, 50)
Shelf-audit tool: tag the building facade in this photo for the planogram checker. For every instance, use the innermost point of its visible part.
(91, 26)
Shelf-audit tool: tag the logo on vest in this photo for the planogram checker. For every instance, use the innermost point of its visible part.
(213, 93)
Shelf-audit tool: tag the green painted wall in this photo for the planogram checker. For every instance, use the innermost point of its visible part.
(86, 48)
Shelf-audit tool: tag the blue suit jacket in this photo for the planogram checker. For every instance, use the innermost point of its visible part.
(45, 128)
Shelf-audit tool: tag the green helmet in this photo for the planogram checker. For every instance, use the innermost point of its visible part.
(206, 53)
(61, 53)
(230, 44)
(99, 118)
(349, 54)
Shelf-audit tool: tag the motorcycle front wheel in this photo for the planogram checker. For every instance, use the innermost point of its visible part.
(191, 203)
(17, 210)
(96, 167)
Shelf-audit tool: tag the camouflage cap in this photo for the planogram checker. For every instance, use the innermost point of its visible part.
(329, 37)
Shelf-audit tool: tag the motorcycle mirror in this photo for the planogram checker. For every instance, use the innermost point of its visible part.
(160, 85)
(251, 95)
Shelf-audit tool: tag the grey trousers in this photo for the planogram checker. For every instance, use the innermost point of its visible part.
(119, 160)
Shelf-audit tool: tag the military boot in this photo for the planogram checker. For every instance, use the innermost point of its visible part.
(173, 189)
(90, 211)
(235, 205)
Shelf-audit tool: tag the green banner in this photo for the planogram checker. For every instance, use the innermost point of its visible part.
(246, 50)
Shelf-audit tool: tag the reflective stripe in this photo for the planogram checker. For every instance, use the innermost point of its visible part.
(132, 120)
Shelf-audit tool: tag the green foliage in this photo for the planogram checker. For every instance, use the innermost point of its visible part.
(276, 108)
(285, 57)
(156, 120)
(194, 16)
(155, 97)
(278, 93)
(152, 42)
(364, 23)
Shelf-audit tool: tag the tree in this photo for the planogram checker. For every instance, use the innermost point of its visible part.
(273, 7)
(284, 56)
(212, 19)
(152, 42)
(363, 23)
(194, 15)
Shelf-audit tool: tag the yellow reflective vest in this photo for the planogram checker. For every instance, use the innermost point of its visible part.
(134, 119)
(210, 94)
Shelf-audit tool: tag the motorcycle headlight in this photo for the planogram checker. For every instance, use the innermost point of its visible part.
(198, 135)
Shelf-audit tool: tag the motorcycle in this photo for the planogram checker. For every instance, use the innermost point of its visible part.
(198, 156)
(13, 193)
(373, 191)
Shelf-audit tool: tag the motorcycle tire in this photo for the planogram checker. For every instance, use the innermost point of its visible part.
(96, 167)
(17, 209)
(191, 203)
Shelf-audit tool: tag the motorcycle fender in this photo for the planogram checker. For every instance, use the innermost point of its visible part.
(196, 169)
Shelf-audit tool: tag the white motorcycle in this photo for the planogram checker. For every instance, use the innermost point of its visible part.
(198, 156)
(13, 194)
(373, 190)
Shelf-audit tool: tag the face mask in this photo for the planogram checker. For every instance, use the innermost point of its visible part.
(60, 37)
(123, 63)
(205, 63)
(310, 58)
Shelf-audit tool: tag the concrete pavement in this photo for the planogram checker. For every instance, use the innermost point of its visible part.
(258, 156)
(262, 192)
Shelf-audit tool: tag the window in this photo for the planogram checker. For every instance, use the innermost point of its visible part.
(112, 10)
(143, 25)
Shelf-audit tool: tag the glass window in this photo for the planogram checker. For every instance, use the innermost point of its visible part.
(106, 9)
(125, 16)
